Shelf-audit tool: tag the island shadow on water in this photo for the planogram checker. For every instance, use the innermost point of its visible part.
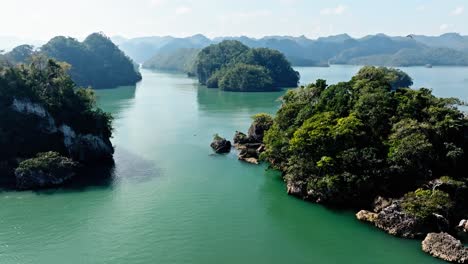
(125, 166)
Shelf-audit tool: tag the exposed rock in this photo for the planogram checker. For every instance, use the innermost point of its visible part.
(446, 247)
(84, 148)
(241, 138)
(251, 160)
(46, 170)
(380, 203)
(257, 131)
(463, 225)
(295, 189)
(250, 152)
(221, 145)
(366, 216)
(91, 148)
(25, 106)
(396, 222)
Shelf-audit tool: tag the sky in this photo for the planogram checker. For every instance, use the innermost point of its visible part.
(44, 19)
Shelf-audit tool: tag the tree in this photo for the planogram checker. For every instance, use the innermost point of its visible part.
(245, 78)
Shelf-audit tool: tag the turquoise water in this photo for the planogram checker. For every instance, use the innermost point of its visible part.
(172, 201)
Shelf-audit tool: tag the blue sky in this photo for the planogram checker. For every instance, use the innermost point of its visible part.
(42, 19)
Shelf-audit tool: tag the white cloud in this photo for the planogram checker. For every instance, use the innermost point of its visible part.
(183, 10)
(458, 11)
(157, 3)
(246, 15)
(444, 27)
(339, 10)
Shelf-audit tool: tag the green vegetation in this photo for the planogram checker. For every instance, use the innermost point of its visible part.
(349, 142)
(232, 66)
(424, 203)
(35, 101)
(181, 60)
(95, 62)
(245, 78)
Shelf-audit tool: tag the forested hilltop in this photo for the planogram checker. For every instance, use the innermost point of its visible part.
(49, 128)
(95, 62)
(232, 66)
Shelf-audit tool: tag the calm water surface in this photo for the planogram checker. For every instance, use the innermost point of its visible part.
(172, 201)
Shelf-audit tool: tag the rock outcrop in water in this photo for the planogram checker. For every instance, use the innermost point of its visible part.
(250, 146)
(221, 145)
(446, 247)
(394, 220)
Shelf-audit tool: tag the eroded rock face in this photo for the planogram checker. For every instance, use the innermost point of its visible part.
(366, 216)
(295, 189)
(241, 138)
(221, 145)
(446, 247)
(395, 221)
(256, 132)
(463, 226)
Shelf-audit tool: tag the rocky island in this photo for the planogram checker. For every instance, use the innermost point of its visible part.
(373, 143)
(232, 66)
(50, 129)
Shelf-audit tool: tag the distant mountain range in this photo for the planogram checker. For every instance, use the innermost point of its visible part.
(380, 49)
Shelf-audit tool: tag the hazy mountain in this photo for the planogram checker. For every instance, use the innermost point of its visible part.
(142, 49)
(379, 49)
(7, 43)
(448, 40)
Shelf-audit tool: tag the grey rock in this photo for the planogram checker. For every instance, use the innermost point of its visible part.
(221, 145)
(446, 247)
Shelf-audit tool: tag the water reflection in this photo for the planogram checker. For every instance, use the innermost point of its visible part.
(214, 100)
(116, 100)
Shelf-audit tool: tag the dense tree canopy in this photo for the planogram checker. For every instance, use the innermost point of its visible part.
(244, 77)
(222, 65)
(95, 62)
(348, 142)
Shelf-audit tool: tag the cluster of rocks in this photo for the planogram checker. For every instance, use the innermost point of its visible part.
(250, 146)
(446, 247)
(389, 216)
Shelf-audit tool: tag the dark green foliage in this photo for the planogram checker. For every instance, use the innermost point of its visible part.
(230, 65)
(245, 78)
(347, 143)
(95, 62)
(278, 66)
(214, 57)
(46, 162)
(424, 203)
